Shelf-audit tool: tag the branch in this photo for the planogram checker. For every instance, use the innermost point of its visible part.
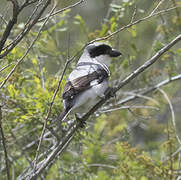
(77, 124)
(129, 107)
(25, 27)
(52, 102)
(49, 111)
(61, 10)
(131, 24)
(10, 24)
(25, 31)
(151, 89)
(2, 69)
(134, 74)
(172, 113)
(33, 174)
(25, 54)
(154, 10)
(3, 19)
(29, 25)
(4, 145)
(27, 3)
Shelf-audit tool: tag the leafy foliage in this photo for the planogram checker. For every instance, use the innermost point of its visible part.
(132, 143)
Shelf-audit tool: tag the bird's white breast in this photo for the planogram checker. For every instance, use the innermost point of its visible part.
(86, 100)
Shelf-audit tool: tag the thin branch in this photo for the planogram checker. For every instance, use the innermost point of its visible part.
(158, 5)
(49, 111)
(10, 24)
(151, 89)
(142, 96)
(22, 58)
(134, 14)
(26, 30)
(51, 104)
(129, 107)
(27, 3)
(101, 165)
(4, 145)
(54, 154)
(22, 33)
(172, 113)
(173, 154)
(177, 10)
(131, 24)
(61, 10)
(2, 69)
(3, 19)
(106, 19)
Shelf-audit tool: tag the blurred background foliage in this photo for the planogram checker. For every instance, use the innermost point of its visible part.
(129, 143)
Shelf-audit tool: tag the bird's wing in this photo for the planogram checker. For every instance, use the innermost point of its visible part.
(80, 84)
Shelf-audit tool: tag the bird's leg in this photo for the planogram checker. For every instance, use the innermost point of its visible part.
(80, 120)
(110, 91)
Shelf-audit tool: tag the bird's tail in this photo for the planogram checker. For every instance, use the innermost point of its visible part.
(63, 115)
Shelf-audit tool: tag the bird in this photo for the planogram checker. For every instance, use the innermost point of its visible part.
(89, 81)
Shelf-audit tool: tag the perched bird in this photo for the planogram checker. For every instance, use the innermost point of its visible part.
(88, 82)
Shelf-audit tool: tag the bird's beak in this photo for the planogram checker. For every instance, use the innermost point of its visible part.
(114, 53)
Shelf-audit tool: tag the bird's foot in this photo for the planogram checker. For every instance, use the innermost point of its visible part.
(81, 121)
(110, 91)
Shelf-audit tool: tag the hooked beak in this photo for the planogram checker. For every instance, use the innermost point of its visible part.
(114, 53)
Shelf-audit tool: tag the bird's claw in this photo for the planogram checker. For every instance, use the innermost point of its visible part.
(82, 123)
(110, 91)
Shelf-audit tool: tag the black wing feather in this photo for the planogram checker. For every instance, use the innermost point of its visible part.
(83, 83)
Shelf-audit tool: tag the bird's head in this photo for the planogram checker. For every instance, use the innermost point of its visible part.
(102, 53)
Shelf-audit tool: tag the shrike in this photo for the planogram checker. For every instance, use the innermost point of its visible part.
(88, 82)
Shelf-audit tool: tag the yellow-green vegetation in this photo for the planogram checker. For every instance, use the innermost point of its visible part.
(132, 141)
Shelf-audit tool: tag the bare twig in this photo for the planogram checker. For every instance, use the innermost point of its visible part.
(173, 154)
(26, 30)
(25, 27)
(28, 26)
(61, 10)
(22, 58)
(2, 69)
(131, 24)
(129, 107)
(142, 96)
(158, 5)
(149, 62)
(52, 102)
(101, 165)
(4, 145)
(3, 19)
(106, 19)
(177, 10)
(172, 113)
(27, 3)
(163, 83)
(49, 111)
(10, 24)
(134, 14)
(54, 153)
